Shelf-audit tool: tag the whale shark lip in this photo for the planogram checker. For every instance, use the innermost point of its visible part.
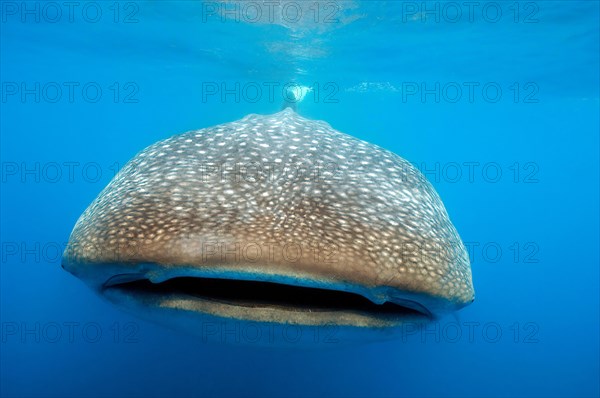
(258, 300)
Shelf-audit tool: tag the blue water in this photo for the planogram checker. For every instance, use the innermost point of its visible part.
(518, 174)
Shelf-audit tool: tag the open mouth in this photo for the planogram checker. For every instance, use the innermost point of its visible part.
(252, 299)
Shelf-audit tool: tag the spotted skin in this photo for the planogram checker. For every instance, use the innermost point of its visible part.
(276, 196)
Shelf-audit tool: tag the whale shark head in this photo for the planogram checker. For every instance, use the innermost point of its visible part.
(274, 218)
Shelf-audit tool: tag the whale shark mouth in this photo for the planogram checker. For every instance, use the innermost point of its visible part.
(257, 300)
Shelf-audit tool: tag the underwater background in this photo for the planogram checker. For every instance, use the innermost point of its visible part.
(497, 103)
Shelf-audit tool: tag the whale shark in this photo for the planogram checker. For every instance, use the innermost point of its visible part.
(273, 219)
